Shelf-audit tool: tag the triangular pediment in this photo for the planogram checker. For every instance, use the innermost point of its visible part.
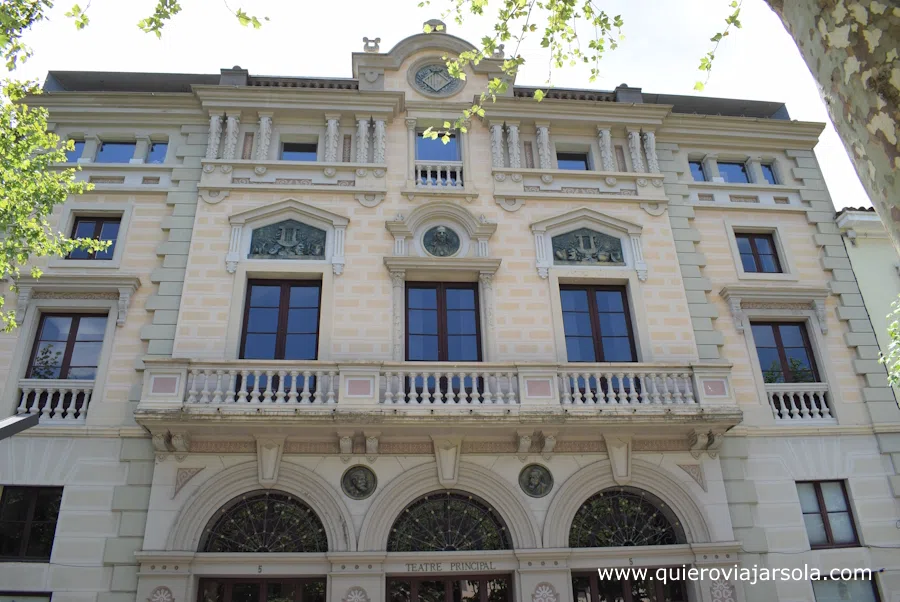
(585, 217)
(288, 208)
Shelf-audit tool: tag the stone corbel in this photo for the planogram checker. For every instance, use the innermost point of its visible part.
(619, 450)
(345, 443)
(523, 444)
(369, 199)
(706, 441)
(268, 459)
(125, 293)
(446, 454)
(737, 313)
(543, 258)
(233, 257)
(640, 266)
(23, 298)
(213, 197)
(548, 444)
(818, 306)
(654, 209)
(371, 446)
(181, 445)
(337, 255)
(509, 204)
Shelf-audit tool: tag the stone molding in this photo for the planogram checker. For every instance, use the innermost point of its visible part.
(597, 476)
(120, 287)
(199, 508)
(787, 298)
(405, 228)
(394, 497)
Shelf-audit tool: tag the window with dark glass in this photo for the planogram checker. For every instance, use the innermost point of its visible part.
(73, 155)
(785, 354)
(826, 513)
(768, 172)
(67, 347)
(157, 153)
(758, 253)
(697, 171)
(442, 322)
(28, 522)
(98, 228)
(589, 587)
(281, 320)
(115, 152)
(576, 161)
(734, 173)
(596, 324)
(839, 590)
(428, 149)
(269, 589)
(299, 151)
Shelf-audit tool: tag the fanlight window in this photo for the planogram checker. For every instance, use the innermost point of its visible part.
(587, 247)
(448, 522)
(288, 239)
(265, 522)
(624, 517)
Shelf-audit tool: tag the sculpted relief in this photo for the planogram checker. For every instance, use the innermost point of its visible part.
(585, 246)
(287, 240)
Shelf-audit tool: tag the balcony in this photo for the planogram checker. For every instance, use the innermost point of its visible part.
(124, 177)
(57, 401)
(746, 196)
(440, 178)
(800, 402)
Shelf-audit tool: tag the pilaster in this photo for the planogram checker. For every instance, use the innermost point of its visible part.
(512, 143)
(545, 153)
(607, 160)
(141, 148)
(264, 137)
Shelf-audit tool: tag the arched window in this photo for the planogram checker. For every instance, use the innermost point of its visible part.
(265, 521)
(624, 517)
(448, 521)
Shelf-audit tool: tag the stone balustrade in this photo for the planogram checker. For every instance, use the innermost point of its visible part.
(443, 174)
(450, 384)
(625, 385)
(58, 401)
(799, 401)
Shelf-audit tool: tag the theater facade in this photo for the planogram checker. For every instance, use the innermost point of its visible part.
(328, 359)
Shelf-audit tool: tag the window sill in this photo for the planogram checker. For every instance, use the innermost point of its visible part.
(767, 277)
(741, 187)
(839, 546)
(129, 166)
(84, 264)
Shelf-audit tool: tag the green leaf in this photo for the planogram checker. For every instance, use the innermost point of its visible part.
(699, 86)
(539, 95)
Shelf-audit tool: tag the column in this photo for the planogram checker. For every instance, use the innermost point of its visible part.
(91, 144)
(512, 144)
(362, 139)
(634, 147)
(141, 148)
(711, 168)
(607, 160)
(232, 127)
(545, 156)
(466, 155)
(754, 166)
(398, 286)
(411, 152)
(650, 151)
(332, 135)
(215, 136)
(497, 145)
(486, 296)
(379, 142)
(264, 138)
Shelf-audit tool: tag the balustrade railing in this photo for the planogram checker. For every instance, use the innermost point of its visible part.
(799, 401)
(449, 384)
(624, 384)
(443, 174)
(57, 401)
(252, 384)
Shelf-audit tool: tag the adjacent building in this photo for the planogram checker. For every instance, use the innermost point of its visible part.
(327, 358)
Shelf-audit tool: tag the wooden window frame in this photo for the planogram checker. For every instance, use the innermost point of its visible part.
(596, 333)
(823, 513)
(99, 221)
(752, 238)
(34, 492)
(443, 342)
(779, 345)
(283, 308)
(229, 582)
(70, 341)
(483, 578)
(594, 580)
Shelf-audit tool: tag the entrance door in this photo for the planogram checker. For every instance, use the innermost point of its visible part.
(261, 590)
(439, 588)
(588, 587)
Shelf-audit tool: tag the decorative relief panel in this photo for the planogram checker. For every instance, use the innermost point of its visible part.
(441, 241)
(288, 239)
(435, 80)
(585, 246)
(544, 592)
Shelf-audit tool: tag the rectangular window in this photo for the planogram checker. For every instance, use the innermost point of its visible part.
(299, 151)
(785, 354)
(115, 152)
(758, 254)
(597, 324)
(98, 228)
(734, 173)
(442, 322)
(73, 155)
(697, 171)
(768, 171)
(67, 347)
(28, 522)
(835, 590)
(281, 320)
(826, 513)
(576, 161)
(437, 150)
(157, 153)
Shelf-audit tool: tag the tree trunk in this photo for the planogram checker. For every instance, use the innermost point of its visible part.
(851, 47)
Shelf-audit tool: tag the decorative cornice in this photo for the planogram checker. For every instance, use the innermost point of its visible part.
(740, 297)
(78, 286)
(479, 265)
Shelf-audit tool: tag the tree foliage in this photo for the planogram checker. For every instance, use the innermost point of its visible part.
(892, 359)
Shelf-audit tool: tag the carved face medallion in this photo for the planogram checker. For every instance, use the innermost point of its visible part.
(359, 482)
(441, 241)
(435, 80)
(535, 480)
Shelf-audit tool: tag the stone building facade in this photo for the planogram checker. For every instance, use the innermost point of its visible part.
(329, 359)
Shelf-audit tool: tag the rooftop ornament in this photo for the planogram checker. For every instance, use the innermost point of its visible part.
(371, 45)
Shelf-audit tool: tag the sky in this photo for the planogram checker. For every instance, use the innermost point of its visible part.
(664, 40)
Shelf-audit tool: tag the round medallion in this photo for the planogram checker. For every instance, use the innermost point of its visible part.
(535, 480)
(441, 241)
(359, 482)
(433, 79)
